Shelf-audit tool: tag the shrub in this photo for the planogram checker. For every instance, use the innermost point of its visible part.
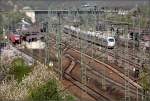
(49, 92)
(19, 69)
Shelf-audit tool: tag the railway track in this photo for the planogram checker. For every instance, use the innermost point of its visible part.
(113, 76)
(133, 90)
(130, 59)
(95, 94)
(92, 74)
(120, 74)
(133, 59)
(125, 60)
(120, 63)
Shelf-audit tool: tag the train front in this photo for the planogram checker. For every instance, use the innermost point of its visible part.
(110, 42)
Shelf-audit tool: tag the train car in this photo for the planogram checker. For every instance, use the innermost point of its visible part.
(135, 40)
(34, 36)
(14, 37)
(97, 38)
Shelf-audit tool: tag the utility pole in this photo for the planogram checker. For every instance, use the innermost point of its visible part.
(82, 65)
(58, 43)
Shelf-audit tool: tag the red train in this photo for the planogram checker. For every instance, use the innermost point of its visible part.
(15, 37)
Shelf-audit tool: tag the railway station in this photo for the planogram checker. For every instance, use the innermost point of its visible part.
(75, 50)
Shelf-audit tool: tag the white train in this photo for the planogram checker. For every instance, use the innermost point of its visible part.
(97, 38)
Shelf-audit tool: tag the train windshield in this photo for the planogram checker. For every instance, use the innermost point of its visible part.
(17, 33)
(111, 40)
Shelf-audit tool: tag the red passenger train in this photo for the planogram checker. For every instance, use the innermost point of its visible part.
(15, 37)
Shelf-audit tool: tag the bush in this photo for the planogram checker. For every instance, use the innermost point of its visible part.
(49, 92)
(19, 69)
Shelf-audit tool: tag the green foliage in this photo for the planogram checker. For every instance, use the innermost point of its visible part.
(145, 10)
(1, 29)
(19, 69)
(141, 16)
(49, 92)
(145, 82)
(145, 78)
(13, 18)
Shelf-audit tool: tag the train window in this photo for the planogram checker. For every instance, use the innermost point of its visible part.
(3, 44)
(41, 30)
(111, 40)
(131, 35)
(34, 34)
(27, 35)
(104, 41)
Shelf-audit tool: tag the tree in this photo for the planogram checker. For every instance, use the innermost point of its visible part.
(12, 18)
(144, 80)
(1, 28)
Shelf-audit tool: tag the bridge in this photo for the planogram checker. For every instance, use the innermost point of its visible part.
(78, 11)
